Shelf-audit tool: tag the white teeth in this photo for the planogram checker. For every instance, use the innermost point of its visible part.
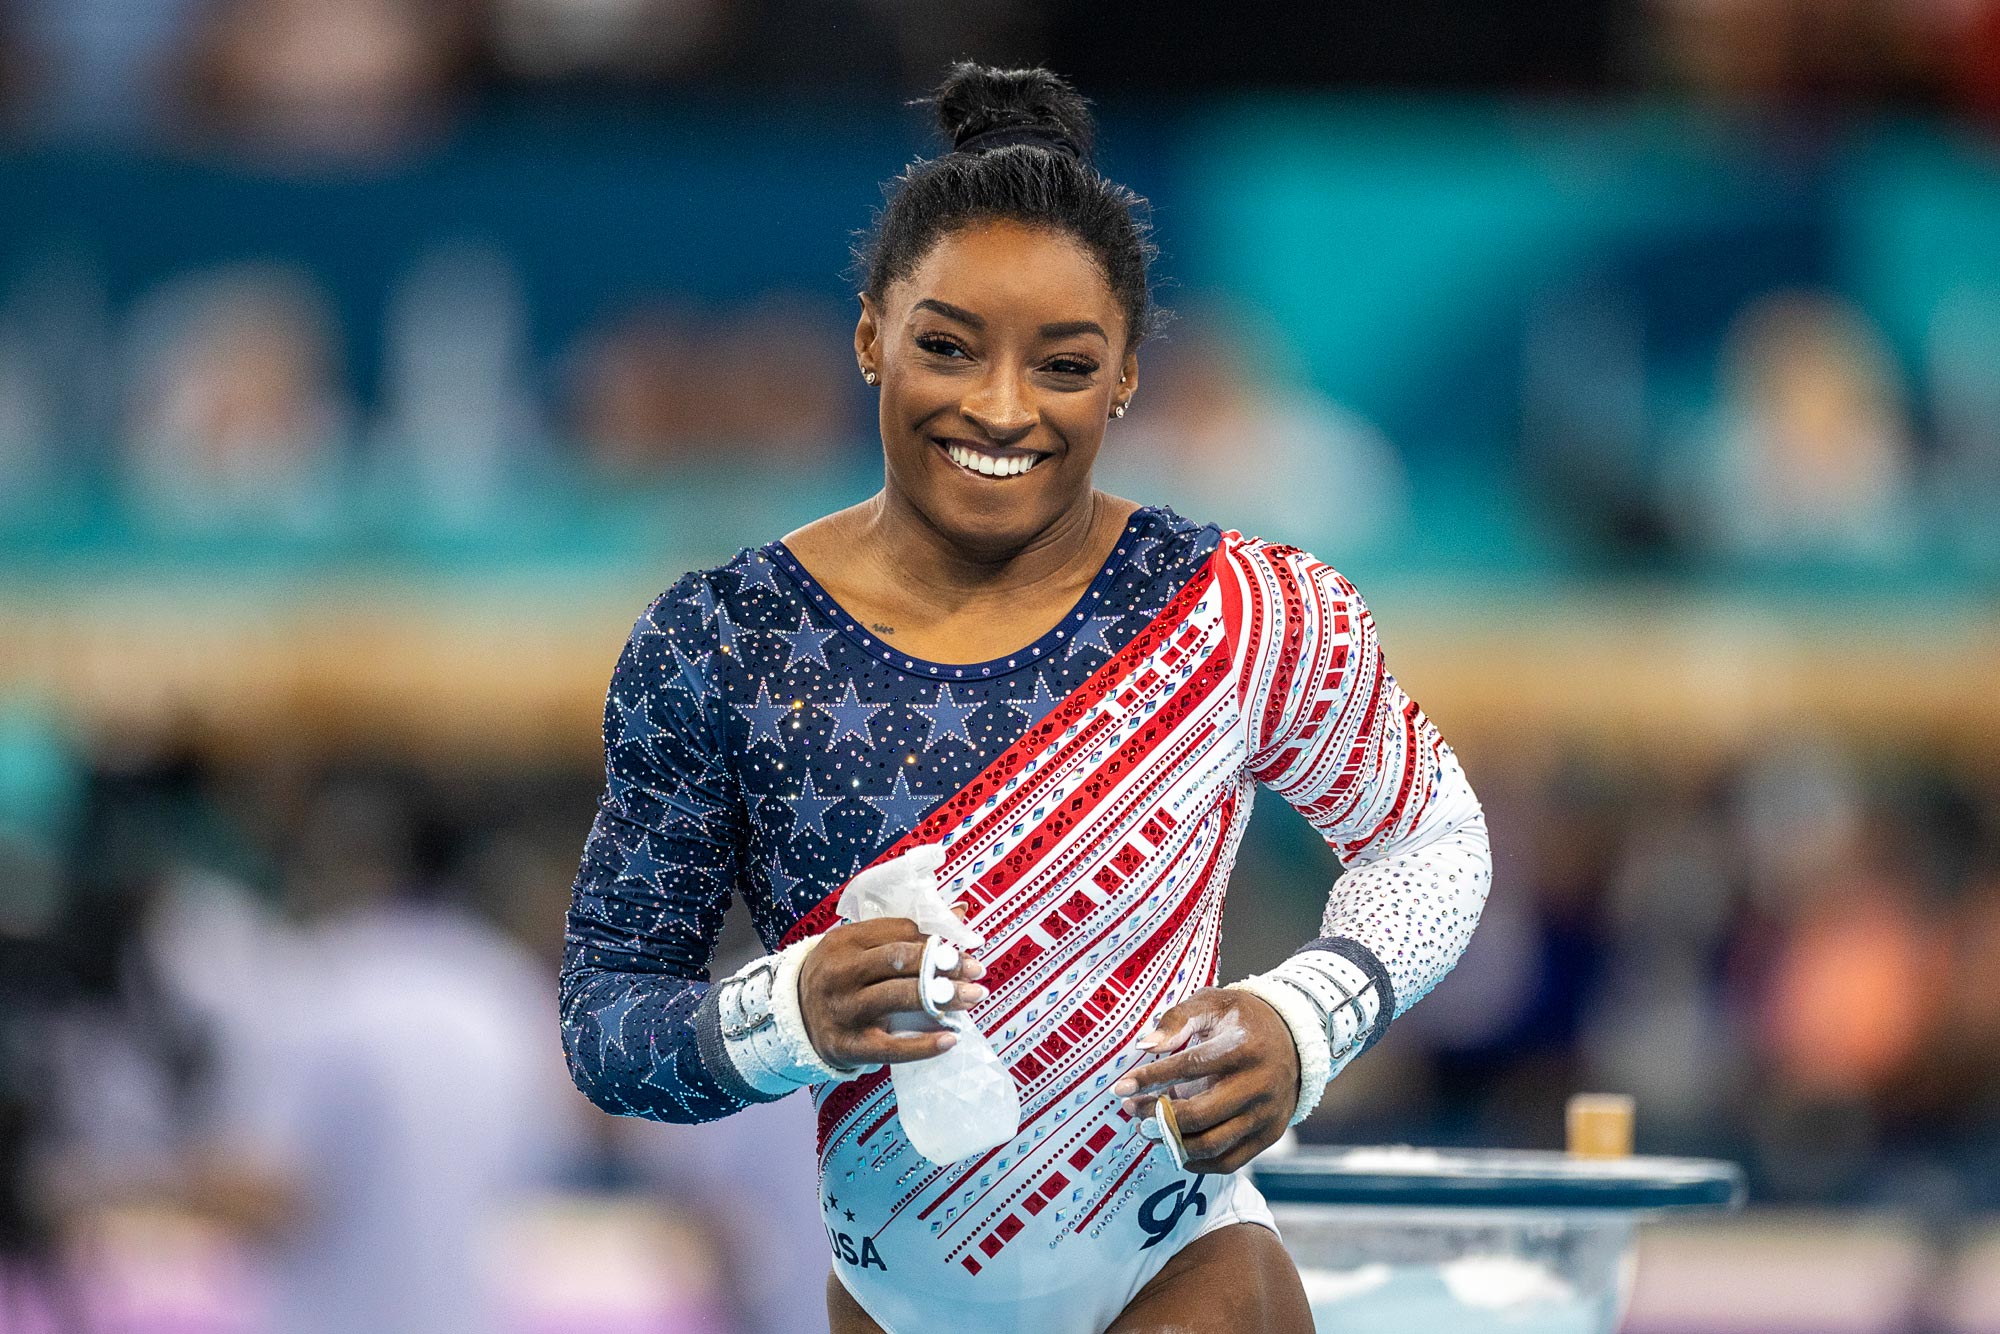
(988, 466)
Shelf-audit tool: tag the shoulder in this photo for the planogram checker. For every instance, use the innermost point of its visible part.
(702, 607)
(1165, 541)
(1281, 565)
(1267, 584)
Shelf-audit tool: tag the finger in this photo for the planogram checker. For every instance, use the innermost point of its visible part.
(1140, 1107)
(903, 958)
(879, 931)
(1168, 1032)
(1244, 1094)
(1183, 1022)
(899, 996)
(1217, 1149)
(1201, 1061)
(894, 959)
(874, 1046)
(949, 960)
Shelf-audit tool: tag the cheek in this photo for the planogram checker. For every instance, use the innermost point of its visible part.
(1082, 430)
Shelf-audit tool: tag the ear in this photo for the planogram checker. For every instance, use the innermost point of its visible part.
(867, 336)
(1129, 382)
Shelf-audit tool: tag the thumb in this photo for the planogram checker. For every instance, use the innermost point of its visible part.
(1170, 1029)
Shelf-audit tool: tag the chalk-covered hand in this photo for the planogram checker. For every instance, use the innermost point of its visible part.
(860, 974)
(1229, 1063)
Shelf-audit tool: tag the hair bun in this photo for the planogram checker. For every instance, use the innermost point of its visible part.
(976, 100)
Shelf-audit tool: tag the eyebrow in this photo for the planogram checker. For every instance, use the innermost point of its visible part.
(1058, 329)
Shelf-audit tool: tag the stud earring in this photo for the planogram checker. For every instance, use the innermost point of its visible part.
(869, 376)
(1118, 410)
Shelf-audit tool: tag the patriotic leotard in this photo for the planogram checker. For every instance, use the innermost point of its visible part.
(1089, 791)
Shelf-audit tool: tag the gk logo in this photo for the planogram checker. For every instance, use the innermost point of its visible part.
(1170, 1198)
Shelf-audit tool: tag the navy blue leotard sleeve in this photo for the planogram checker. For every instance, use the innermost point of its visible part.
(658, 870)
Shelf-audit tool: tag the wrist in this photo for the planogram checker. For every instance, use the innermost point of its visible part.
(763, 1027)
(1329, 1005)
(1308, 1039)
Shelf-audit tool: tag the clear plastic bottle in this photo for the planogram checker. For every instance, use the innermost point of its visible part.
(958, 1103)
(963, 1101)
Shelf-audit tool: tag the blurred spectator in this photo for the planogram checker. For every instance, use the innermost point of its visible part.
(1963, 361)
(1222, 428)
(1585, 429)
(1852, 992)
(459, 428)
(554, 39)
(402, 1094)
(1663, 1030)
(93, 65)
(1507, 1032)
(1958, 1089)
(1810, 456)
(661, 388)
(1814, 50)
(237, 416)
(333, 79)
(54, 363)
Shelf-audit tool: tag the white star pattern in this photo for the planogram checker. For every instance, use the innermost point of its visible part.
(757, 572)
(809, 809)
(635, 722)
(1038, 705)
(1092, 635)
(850, 717)
(763, 717)
(901, 809)
(805, 644)
(947, 718)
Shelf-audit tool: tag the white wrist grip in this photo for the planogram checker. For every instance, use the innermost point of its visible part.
(766, 1040)
(1329, 1004)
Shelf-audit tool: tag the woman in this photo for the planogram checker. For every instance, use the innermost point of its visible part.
(1073, 697)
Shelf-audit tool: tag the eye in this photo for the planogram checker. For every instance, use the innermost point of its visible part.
(940, 345)
(1073, 366)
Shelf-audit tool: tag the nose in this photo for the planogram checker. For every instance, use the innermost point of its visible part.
(999, 407)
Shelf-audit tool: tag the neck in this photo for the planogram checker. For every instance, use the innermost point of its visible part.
(905, 542)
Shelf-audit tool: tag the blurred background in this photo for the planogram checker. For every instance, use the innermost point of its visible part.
(366, 365)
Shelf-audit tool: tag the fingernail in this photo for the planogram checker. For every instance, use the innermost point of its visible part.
(946, 1041)
(1126, 1087)
(1150, 1038)
(974, 970)
(970, 993)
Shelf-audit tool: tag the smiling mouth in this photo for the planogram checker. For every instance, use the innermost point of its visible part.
(995, 461)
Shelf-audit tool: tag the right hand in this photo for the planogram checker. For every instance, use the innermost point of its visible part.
(860, 974)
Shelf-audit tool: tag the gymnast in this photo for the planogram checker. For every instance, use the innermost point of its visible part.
(1058, 704)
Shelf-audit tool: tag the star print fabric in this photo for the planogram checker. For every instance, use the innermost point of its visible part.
(758, 742)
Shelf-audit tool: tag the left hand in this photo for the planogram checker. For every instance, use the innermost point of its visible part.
(1232, 1071)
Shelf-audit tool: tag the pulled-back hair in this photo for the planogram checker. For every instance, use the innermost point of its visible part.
(1022, 148)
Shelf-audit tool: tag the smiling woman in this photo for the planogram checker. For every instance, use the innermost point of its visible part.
(1052, 706)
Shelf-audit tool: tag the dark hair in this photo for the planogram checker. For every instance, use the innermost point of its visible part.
(1022, 148)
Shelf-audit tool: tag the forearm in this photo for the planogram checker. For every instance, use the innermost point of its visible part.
(676, 1049)
(1393, 927)
(1408, 916)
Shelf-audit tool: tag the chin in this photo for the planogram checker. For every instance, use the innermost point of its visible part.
(998, 524)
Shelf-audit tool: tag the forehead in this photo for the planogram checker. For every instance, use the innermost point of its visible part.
(1014, 272)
